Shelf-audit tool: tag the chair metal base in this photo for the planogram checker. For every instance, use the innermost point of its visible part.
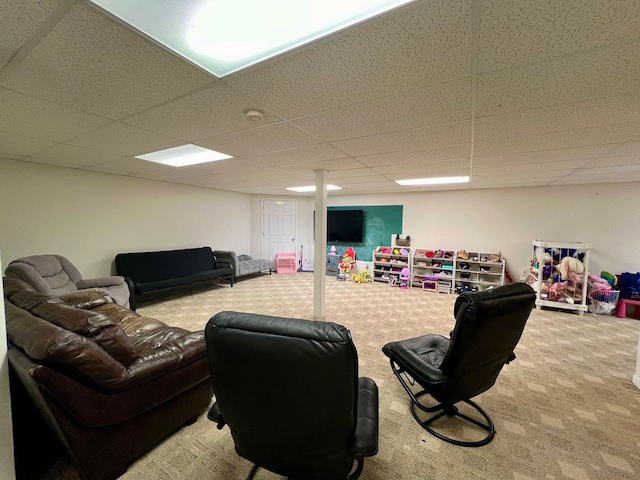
(448, 409)
(452, 411)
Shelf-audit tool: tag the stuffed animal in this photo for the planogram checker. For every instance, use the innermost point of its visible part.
(556, 291)
(568, 264)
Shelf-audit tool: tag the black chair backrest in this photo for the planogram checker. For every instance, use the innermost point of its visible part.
(287, 388)
(489, 325)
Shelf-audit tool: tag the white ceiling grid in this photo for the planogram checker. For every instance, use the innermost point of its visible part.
(553, 98)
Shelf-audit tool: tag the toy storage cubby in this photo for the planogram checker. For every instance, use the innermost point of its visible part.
(285, 262)
(433, 266)
(477, 271)
(389, 261)
(573, 300)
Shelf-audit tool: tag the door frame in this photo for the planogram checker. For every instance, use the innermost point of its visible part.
(263, 248)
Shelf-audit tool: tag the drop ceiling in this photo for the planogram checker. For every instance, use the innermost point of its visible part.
(514, 93)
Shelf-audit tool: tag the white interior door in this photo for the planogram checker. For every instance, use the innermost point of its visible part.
(278, 227)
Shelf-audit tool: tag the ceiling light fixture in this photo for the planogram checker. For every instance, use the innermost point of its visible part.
(225, 36)
(414, 182)
(311, 188)
(184, 156)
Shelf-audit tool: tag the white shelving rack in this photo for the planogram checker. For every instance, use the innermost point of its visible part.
(389, 264)
(583, 250)
(433, 265)
(480, 270)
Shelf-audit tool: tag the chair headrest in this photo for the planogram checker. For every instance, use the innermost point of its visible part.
(45, 265)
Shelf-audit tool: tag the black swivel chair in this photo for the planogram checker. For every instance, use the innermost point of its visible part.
(488, 327)
(290, 393)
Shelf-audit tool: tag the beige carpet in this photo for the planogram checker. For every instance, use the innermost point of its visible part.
(564, 409)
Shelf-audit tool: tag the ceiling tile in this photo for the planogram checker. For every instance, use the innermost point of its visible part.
(13, 144)
(213, 111)
(595, 74)
(353, 173)
(19, 21)
(593, 113)
(436, 105)
(422, 170)
(125, 165)
(72, 156)
(297, 156)
(598, 178)
(579, 154)
(629, 148)
(608, 134)
(427, 155)
(521, 31)
(270, 138)
(329, 165)
(30, 116)
(614, 162)
(369, 179)
(94, 64)
(121, 139)
(410, 139)
(423, 44)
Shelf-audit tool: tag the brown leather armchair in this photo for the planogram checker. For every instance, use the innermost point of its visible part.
(109, 382)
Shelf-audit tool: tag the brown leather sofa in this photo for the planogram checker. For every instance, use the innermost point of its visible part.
(110, 383)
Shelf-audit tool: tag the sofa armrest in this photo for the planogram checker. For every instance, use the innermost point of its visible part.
(101, 282)
(227, 257)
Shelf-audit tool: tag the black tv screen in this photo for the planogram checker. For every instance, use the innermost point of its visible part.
(345, 226)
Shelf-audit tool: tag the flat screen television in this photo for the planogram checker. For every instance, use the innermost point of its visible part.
(345, 226)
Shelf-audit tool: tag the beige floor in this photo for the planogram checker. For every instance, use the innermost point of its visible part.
(564, 409)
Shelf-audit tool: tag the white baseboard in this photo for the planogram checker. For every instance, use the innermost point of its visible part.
(636, 380)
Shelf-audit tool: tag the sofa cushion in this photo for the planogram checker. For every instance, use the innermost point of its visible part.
(46, 342)
(91, 325)
(71, 316)
(84, 299)
(253, 266)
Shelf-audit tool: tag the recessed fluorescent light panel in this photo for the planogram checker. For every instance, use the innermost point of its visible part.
(184, 156)
(224, 36)
(311, 188)
(415, 182)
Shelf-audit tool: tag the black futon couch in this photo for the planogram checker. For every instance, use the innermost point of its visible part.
(160, 272)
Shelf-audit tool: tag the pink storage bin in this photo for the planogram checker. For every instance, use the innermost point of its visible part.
(285, 262)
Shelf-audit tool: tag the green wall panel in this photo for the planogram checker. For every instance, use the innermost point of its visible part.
(380, 222)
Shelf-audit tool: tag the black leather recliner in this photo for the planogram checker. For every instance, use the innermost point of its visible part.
(290, 393)
(489, 325)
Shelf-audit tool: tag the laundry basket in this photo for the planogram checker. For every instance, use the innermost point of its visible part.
(603, 302)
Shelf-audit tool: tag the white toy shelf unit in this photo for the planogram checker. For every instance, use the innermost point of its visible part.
(560, 293)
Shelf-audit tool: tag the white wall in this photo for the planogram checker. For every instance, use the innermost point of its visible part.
(89, 217)
(507, 220)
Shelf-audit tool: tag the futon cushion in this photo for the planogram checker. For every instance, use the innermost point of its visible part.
(180, 281)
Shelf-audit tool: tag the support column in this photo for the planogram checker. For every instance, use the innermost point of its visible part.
(320, 248)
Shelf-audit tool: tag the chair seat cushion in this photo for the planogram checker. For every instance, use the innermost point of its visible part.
(421, 356)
